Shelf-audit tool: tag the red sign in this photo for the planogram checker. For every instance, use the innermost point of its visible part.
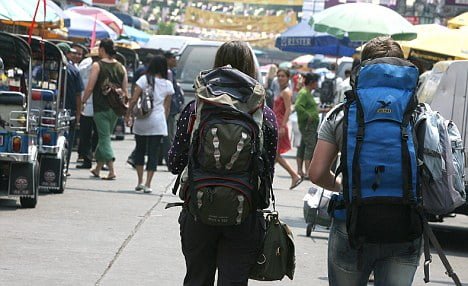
(105, 2)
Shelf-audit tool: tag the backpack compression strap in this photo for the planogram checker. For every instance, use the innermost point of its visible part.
(429, 236)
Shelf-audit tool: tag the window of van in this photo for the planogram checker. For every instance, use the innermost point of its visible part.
(193, 60)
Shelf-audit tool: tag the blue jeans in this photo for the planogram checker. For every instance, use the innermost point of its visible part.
(394, 264)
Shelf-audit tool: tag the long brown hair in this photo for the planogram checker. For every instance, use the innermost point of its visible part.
(237, 54)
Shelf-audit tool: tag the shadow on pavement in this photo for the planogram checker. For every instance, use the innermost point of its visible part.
(452, 239)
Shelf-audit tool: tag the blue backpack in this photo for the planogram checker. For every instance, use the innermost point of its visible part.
(379, 164)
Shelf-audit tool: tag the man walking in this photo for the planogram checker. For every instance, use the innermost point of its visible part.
(72, 95)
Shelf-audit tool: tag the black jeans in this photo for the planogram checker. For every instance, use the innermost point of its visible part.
(147, 144)
(88, 138)
(231, 249)
(70, 139)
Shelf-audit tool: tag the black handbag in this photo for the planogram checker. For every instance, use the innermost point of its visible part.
(277, 257)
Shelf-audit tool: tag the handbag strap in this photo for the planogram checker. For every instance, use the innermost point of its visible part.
(150, 81)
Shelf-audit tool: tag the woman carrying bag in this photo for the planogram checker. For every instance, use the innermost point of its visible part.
(107, 71)
(150, 126)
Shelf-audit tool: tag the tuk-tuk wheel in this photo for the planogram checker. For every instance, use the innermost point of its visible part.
(28, 203)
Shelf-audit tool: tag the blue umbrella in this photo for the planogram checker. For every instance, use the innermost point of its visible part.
(136, 35)
(301, 38)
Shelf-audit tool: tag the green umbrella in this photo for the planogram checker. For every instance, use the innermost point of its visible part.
(362, 22)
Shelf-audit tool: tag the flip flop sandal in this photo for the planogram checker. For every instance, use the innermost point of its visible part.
(109, 178)
(94, 174)
(297, 183)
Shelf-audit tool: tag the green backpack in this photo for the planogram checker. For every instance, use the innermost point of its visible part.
(221, 182)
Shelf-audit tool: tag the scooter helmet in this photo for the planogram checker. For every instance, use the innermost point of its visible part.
(2, 66)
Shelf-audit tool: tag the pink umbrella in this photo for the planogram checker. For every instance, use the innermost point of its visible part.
(102, 15)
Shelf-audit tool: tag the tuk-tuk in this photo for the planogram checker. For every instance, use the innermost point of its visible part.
(19, 167)
(445, 89)
(48, 102)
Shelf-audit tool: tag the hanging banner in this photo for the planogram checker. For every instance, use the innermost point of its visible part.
(264, 2)
(212, 20)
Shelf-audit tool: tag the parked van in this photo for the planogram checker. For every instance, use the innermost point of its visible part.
(196, 57)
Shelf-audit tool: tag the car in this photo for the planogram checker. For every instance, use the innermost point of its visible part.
(195, 57)
(168, 42)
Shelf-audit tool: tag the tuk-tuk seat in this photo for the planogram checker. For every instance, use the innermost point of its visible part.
(43, 94)
(10, 101)
(12, 98)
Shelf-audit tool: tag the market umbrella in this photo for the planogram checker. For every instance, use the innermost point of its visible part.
(22, 13)
(459, 21)
(102, 15)
(136, 35)
(439, 40)
(82, 27)
(301, 38)
(362, 22)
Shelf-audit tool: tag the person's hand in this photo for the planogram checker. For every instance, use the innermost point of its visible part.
(282, 130)
(128, 120)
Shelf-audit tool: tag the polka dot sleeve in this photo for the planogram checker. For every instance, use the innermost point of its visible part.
(178, 154)
(270, 136)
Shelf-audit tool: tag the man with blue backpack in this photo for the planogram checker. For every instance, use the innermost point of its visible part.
(378, 220)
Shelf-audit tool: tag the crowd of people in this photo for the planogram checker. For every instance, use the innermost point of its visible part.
(88, 71)
(216, 245)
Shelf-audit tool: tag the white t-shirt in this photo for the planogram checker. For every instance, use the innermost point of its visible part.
(85, 70)
(155, 123)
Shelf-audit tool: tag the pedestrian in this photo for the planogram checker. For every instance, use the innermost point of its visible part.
(393, 263)
(344, 86)
(233, 249)
(177, 99)
(80, 52)
(282, 109)
(88, 132)
(308, 120)
(271, 85)
(74, 88)
(106, 70)
(150, 130)
(141, 70)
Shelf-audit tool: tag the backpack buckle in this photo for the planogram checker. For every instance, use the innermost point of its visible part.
(404, 134)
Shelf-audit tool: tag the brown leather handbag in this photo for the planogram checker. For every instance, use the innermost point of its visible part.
(115, 97)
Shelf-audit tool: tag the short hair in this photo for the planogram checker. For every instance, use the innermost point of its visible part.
(311, 77)
(379, 47)
(347, 72)
(286, 72)
(158, 65)
(237, 54)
